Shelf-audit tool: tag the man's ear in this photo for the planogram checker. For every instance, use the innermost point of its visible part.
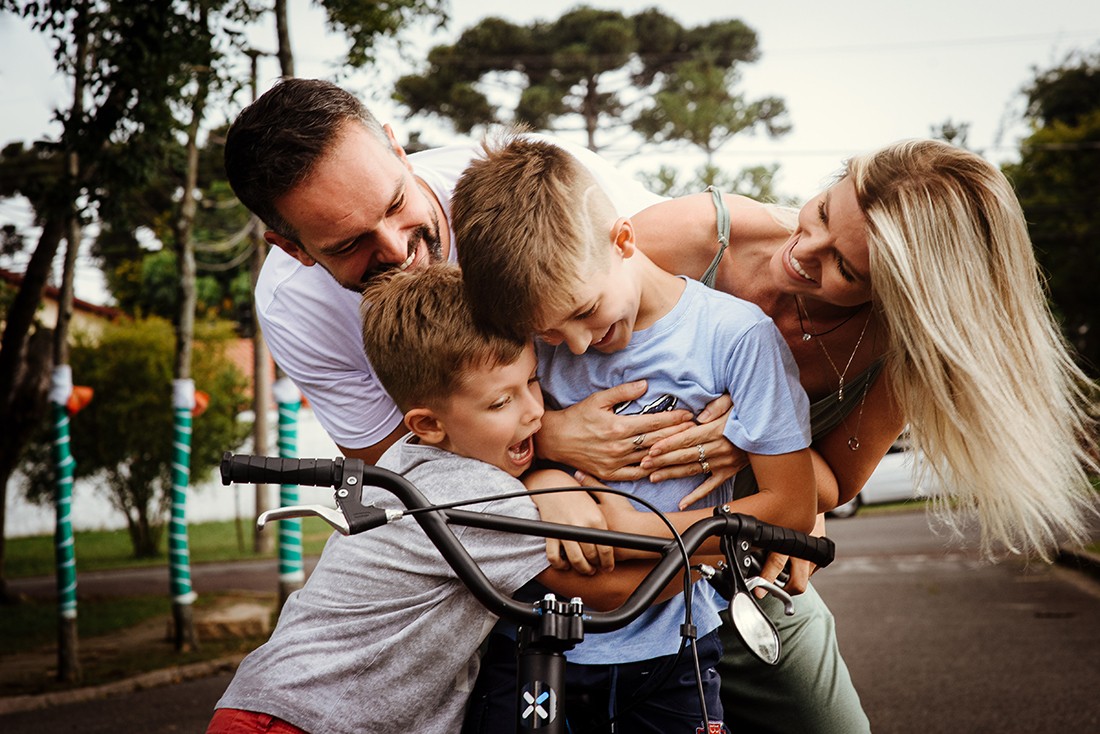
(291, 248)
(622, 237)
(396, 146)
(426, 425)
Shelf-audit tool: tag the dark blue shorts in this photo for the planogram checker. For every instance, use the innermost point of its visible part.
(659, 695)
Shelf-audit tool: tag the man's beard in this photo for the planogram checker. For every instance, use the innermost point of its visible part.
(428, 234)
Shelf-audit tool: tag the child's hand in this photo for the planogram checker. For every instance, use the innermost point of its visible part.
(800, 570)
(570, 508)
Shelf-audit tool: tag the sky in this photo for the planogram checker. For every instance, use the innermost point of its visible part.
(855, 75)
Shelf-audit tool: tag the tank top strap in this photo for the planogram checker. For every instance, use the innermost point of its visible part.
(723, 218)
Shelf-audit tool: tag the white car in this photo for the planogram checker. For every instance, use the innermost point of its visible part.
(892, 481)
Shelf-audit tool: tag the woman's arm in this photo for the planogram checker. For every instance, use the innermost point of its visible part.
(681, 235)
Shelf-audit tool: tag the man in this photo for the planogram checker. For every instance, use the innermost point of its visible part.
(344, 203)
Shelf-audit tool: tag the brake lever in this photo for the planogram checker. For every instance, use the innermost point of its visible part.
(332, 517)
(775, 590)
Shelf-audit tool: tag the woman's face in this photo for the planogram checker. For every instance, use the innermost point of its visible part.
(826, 257)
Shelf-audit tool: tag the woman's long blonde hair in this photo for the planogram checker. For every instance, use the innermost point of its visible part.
(994, 399)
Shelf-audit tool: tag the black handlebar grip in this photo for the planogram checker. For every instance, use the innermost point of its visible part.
(245, 469)
(819, 551)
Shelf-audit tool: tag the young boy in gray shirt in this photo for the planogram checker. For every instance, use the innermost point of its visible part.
(383, 637)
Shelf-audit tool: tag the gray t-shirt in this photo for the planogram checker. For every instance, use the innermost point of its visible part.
(383, 637)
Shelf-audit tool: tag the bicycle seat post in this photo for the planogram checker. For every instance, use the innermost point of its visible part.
(541, 665)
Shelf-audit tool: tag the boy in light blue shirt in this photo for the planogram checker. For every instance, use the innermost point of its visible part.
(545, 252)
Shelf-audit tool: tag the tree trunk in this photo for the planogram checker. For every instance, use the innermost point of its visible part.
(282, 30)
(21, 392)
(179, 557)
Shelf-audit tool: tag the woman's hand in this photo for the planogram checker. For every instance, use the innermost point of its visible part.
(684, 453)
(800, 570)
(591, 437)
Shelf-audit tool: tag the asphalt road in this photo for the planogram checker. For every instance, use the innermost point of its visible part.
(936, 640)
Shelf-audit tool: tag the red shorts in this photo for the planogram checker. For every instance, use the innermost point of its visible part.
(236, 721)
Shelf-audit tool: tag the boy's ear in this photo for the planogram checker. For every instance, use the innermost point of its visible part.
(426, 425)
(622, 237)
(291, 248)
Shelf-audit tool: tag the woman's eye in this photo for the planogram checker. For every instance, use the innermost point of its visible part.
(843, 271)
(822, 215)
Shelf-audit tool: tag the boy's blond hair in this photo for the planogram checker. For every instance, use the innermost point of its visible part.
(532, 223)
(420, 338)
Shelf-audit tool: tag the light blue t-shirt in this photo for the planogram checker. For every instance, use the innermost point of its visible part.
(709, 344)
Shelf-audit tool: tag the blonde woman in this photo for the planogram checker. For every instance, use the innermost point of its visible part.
(909, 294)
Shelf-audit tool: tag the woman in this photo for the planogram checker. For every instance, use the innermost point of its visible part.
(908, 293)
(917, 258)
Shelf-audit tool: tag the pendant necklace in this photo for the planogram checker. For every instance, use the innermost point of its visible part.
(853, 439)
(807, 335)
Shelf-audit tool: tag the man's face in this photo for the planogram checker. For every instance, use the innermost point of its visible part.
(360, 212)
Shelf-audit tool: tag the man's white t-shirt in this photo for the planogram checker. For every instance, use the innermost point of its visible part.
(311, 323)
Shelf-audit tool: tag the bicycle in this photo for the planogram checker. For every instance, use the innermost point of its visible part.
(550, 627)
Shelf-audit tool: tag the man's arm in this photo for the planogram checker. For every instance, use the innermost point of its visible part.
(370, 454)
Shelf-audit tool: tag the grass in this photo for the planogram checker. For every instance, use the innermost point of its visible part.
(110, 646)
(37, 621)
(110, 649)
(99, 550)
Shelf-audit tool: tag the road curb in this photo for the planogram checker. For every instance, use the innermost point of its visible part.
(152, 679)
(1082, 560)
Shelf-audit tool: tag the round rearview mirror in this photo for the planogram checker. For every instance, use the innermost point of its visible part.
(754, 628)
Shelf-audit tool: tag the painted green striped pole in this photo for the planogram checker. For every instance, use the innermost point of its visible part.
(292, 573)
(179, 556)
(61, 387)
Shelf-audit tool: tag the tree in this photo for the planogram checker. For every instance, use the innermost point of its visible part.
(1058, 183)
(590, 64)
(129, 59)
(125, 434)
(696, 105)
(755, 182)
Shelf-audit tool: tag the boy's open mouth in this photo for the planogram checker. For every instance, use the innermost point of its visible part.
(605, 338)
(523, 451)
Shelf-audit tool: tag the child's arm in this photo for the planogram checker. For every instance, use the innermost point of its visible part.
(610, 586)
(569, 508)
(788, 494)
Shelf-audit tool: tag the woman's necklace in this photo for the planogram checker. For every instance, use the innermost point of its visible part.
(853, 439)
(840, 375)
(807, 335)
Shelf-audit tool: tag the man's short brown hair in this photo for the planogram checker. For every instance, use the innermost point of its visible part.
(420, 338)
(530, 221)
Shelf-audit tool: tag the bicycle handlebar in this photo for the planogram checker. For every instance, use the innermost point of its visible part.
(348, 476)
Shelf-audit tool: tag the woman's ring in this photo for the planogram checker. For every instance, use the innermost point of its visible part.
(702, 453)
(639, 440)
(705, 466)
